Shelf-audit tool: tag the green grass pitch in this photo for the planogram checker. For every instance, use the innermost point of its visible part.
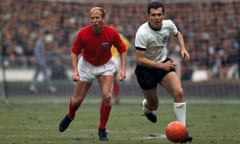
(35, 121)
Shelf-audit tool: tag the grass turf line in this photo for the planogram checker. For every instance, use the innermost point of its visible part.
(35, 121)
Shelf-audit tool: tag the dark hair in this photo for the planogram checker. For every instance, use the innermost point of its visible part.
(155, 5)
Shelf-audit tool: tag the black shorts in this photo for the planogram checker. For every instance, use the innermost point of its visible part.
(148, 78)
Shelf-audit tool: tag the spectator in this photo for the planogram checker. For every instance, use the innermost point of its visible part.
(206, 23)
(41, 65)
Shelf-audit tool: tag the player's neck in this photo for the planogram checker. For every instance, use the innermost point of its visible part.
(97, 32)
(155, 29)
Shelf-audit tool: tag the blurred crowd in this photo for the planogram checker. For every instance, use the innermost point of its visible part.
(211, 31)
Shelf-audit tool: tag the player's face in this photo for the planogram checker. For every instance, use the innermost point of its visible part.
(155, 18)
(97, 21)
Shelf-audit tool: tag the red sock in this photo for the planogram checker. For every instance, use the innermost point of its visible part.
(72, 109)
(116, 91)
(104, 114)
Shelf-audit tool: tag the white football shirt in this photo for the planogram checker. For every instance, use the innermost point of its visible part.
(155, 41)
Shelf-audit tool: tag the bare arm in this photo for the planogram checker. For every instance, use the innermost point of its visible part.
(74, 60)
(184, 53)
(122, 73)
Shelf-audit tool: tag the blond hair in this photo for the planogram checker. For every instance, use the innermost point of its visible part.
(101, 9)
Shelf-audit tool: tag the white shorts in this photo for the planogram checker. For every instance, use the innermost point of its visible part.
(117, 62)
(88, 72)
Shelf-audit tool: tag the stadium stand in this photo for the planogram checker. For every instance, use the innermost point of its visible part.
(211, 30)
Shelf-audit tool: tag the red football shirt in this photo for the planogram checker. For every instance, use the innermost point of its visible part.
(96, 49)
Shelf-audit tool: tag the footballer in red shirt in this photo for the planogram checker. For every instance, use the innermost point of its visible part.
(93, 45)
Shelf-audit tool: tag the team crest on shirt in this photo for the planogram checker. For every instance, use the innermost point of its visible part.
(105, 45)
(165, 39)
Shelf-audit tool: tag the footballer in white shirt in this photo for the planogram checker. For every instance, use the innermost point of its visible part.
(153, 65)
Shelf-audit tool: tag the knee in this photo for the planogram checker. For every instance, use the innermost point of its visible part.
(178, 95)
(107, 100)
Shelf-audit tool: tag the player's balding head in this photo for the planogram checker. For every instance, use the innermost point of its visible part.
(98, 9)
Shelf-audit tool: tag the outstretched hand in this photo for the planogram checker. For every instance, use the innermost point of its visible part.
(185, 55)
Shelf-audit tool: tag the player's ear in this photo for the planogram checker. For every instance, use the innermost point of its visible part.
(104, 20)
